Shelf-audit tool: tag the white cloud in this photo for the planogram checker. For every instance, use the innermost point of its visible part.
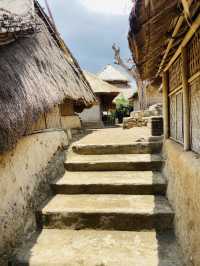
(110, 7)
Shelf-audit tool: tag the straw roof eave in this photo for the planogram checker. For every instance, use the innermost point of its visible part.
(99, 86)
(112, 75)
(35, 75)
(150, 28)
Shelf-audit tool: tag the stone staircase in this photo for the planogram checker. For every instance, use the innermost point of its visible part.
(109, 209)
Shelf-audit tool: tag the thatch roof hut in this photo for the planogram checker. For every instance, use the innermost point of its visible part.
(113, 75)
(105, 94)
(35, 75)
(117, 78)
(99, 86)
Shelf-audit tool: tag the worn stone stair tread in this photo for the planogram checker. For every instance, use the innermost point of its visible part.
(113, 162)
(140, 204)
(73, 157)
(116, 148)
(113, 212)
(100, 248)
(120, 182)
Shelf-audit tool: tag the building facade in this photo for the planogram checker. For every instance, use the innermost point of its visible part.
(105, 94)
(179, 67)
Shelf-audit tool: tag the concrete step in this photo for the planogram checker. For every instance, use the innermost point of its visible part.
(116, 182)
(133, 148)
(100, 248)
(119, 212)
(114, 162)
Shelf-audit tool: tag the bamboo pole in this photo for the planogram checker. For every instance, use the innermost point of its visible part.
(186, 106)
(175, 32)
(166, 104)
(193, 28)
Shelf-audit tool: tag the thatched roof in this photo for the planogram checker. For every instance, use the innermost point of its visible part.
(111, 74)
(99, 86)
(124, 93)
(16, 18)
(151, 25)
(34, 76)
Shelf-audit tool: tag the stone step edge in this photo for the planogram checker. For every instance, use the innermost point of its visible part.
(119, 221)
(134, 148)
(113, 166)
(140, 189)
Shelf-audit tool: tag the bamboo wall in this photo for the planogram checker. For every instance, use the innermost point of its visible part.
(176, 85)
(55, 119)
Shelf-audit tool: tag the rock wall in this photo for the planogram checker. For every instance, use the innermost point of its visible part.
(25, 174)
(182, 170)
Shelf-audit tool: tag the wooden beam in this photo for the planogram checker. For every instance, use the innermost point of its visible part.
(194, 27)
(169, 46)
(186, 106)
(166, 104)
(175, 32)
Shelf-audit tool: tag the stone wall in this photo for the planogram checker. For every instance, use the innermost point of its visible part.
(182, 170)
(24, 184)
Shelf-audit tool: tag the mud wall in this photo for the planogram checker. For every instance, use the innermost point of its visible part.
(71, 122)
(25, 174)
(182, 170)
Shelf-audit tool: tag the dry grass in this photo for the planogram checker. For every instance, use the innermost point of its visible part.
(34, 77)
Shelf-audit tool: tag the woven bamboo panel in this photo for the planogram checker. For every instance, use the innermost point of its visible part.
(172, 102)
(195, 114)
(175, 79)
(179, 117)
(67, 108)
(194, 54)
(39, 125)
(53, 118)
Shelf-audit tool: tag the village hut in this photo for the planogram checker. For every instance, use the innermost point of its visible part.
(134, 101)
(115, 77)
(41, 88)
(105, 94)
(35, 75)
(164, 39)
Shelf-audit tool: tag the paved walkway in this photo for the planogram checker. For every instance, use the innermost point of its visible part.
(116, 135)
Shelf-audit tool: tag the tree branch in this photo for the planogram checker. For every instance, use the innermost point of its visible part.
(132, 71)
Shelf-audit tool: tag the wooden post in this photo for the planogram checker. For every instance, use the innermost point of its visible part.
(186, 105)
(166, 104)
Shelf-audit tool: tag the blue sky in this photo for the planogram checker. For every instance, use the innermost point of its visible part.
(90, 27)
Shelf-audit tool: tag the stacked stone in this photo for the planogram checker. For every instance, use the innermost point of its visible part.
(131, 122)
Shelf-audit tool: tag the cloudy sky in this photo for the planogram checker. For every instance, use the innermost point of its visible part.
(90, 27)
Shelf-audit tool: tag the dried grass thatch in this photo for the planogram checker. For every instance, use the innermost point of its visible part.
(150, 28)
(35, 76)
(16, 18)
(111, 74)
(99, 86)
